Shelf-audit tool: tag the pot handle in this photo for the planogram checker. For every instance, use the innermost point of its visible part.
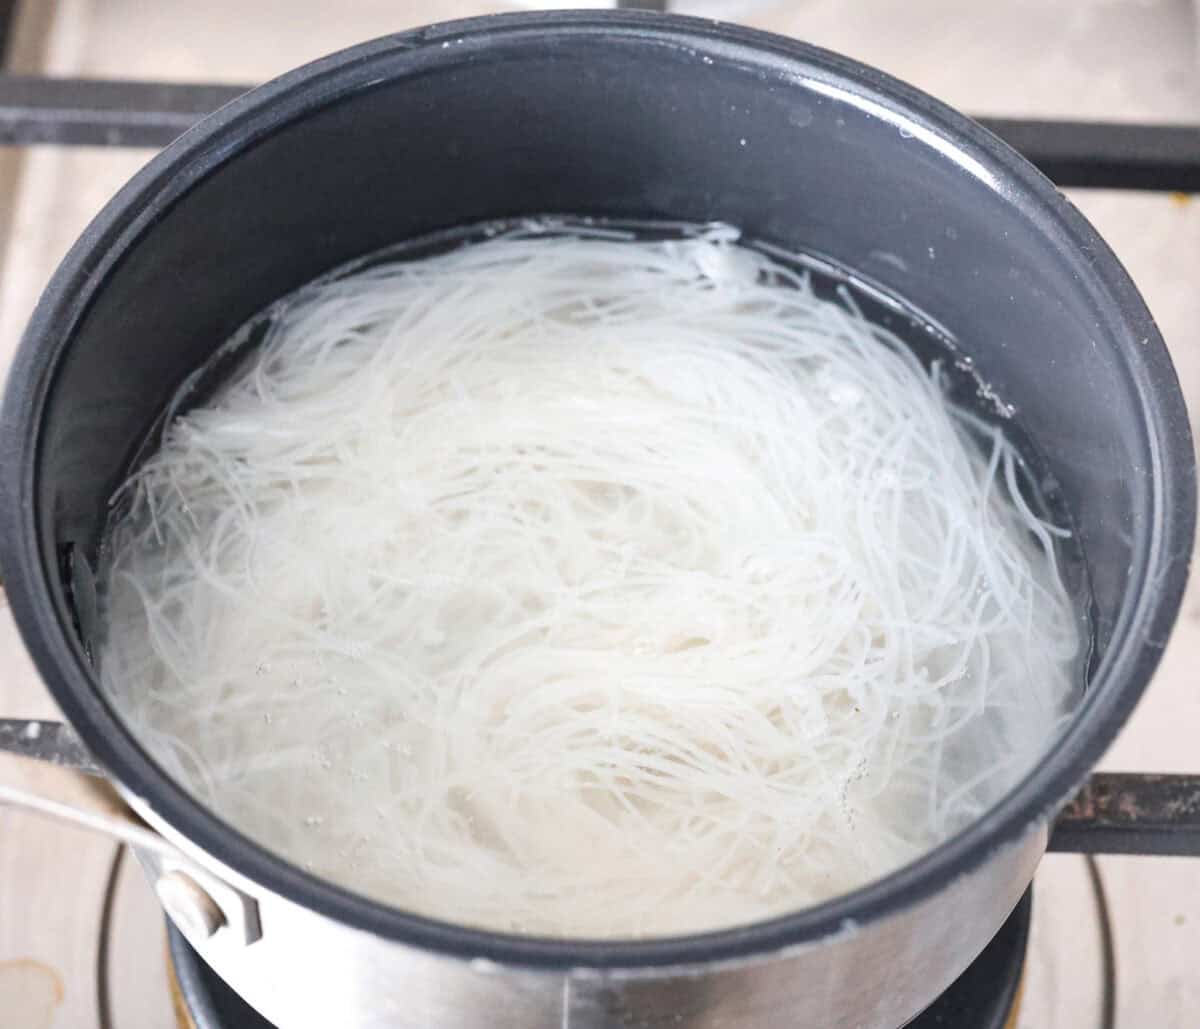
(53, 742)
(72, 789)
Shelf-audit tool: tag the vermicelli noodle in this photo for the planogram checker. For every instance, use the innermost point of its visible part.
(587, 587)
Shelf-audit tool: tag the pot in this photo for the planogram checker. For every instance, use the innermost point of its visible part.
(620, 116)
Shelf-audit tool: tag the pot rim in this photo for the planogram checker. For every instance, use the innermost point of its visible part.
(1138, 638)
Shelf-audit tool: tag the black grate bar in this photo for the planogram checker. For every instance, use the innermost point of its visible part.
(1107, 155)
(103, 112)
(151, 114)
(1126, 813)
(8, 20)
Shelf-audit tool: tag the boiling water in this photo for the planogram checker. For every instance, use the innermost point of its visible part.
(637, 757)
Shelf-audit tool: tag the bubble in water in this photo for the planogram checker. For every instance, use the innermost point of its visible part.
(801, 117)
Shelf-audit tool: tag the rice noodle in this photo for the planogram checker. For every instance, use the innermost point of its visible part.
(588, 588)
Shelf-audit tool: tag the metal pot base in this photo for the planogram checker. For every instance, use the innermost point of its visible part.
(985, 996)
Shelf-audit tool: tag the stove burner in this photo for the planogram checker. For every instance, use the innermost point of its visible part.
(984, 997)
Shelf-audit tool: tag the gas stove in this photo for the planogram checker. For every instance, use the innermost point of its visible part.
(1006, 986)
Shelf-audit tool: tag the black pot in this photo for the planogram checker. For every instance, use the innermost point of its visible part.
(629, 117)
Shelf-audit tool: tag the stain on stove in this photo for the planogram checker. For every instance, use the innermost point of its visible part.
(30, 993)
